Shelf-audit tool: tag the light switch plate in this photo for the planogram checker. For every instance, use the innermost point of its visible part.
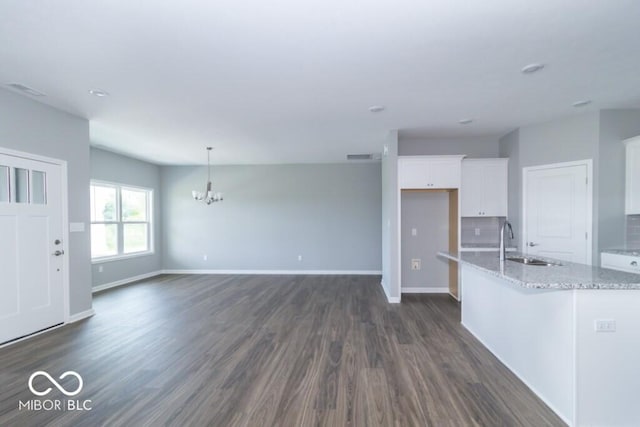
(76, 227)
(416, 264)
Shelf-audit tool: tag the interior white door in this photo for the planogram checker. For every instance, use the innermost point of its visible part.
(31, 249)
(557, 212)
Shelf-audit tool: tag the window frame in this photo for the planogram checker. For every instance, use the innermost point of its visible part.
(119, 222)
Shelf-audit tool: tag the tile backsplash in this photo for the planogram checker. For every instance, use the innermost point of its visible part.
(633, 231)
(481, 230)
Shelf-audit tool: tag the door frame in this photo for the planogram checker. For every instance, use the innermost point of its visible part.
(586, 162)
(64, 194)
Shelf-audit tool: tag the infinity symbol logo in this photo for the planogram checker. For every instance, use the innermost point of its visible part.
(55, 383)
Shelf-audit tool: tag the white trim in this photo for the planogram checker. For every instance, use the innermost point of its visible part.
(121, 257)
(64, 196)
(117, 283)
(283, 272)
(35, 334)
(425, 290)
(588, 163)
(391, 300)
(82, 315)
(541, 396)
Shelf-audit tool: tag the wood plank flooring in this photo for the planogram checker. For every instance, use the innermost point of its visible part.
(268, 351)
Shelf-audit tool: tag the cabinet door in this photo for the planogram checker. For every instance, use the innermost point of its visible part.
(494, 185)
(428, 173)
(444, 173)
(471, 189)
(632, 187)
(413, 173)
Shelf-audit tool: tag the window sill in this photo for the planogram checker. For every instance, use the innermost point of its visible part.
(121, 257)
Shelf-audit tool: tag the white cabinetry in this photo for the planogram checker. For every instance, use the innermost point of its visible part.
(484, 187)
(622, 262)
(632, 186)
(429, 172)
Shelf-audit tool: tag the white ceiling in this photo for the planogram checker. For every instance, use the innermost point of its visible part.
(284, 81)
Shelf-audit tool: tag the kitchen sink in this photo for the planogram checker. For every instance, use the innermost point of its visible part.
(533, 261)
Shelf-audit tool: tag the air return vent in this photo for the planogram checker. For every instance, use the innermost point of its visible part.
(359, 156)
(25, 89)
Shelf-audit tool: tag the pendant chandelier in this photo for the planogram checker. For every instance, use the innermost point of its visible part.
(209, 196)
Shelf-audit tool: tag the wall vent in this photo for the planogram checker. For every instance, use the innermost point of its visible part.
(367, 156)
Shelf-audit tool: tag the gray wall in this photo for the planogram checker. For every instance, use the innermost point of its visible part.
(35, 128)
(563, 140)
(615, 126)
(479, 147)
(328, 213)
(510, 147)
(390, 217)
(428, 213)
(593, 135)
(107, 166)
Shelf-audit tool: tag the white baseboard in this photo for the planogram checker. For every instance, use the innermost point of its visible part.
(283, 272)
(82, 315)
(426, 290)
(106, 286)
(391, 300)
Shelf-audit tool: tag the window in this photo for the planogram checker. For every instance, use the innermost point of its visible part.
(120, 220)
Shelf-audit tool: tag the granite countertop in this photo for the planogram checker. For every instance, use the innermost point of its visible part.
(629, 252)
(567, 276)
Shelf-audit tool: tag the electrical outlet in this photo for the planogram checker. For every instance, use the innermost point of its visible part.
(205, 257)
(605, 325)
(414, 231)
(416, 264)
(100, 268)
(299, 257)
(477, 231)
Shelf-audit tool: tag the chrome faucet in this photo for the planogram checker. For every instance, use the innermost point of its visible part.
(503, 249)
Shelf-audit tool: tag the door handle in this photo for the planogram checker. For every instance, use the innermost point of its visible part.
(634, 263)
(533, 244)
(58, 253)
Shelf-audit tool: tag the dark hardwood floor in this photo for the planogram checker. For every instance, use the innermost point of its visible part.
(268, 351)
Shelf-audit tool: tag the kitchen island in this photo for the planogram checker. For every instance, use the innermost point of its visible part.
(571, 332)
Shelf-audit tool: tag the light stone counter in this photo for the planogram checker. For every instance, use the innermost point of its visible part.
(567, 276)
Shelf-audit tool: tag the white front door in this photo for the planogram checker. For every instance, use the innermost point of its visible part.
(31, 249)
(557, 211)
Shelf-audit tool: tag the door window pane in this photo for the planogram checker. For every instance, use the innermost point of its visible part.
(103, 203)
(39, 189)
(4, 184)
(134, 205)
(22, 185)
(104, 240)
(135, 238)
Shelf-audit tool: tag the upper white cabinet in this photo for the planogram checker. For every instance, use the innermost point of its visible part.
(632, 186)
(484, 187)
(429, 172)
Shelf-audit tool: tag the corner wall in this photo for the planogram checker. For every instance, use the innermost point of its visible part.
(390, 248)
(32, 127)
(111, 167)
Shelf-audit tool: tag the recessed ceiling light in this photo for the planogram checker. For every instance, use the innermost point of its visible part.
(582, 103)
(376, 108)
(465, 121)
(98, 92)
(532, 68)
(25, 89)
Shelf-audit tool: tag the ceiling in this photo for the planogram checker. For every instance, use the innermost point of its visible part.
(290, 81)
